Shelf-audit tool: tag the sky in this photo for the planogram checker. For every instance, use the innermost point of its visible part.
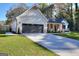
(4, 7)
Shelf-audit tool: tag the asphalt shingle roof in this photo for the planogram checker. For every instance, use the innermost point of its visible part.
(57, 20)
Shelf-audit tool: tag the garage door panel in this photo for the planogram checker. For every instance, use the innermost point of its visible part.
(28, 28)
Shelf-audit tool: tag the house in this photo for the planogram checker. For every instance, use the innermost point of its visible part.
(34, 21)
(57, 25)
(31, 21)
(3, 26)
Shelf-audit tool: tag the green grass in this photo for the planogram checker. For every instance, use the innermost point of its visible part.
(73, 35)
(18, 45)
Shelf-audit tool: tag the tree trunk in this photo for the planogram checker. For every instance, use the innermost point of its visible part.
(76, 6)
(73, 15)
(77, 16)
(71, 22)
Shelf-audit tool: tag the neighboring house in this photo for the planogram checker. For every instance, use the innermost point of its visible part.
(58, 25)
(31, 21)
(1, 24)
(3, 27)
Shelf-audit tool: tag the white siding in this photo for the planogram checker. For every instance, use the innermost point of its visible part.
(65, 22)
(13, 26)
(32, 16)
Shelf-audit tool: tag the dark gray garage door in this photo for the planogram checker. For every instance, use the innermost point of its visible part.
(32, 28)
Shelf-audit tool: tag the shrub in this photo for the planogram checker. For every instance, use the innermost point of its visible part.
(53, 31)
(2, 31)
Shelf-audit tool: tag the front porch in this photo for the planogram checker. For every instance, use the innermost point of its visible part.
(55, 27)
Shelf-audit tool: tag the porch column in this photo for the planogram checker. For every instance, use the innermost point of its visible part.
(49, 26)
(61, 27)
(53, 27)
(56, 28)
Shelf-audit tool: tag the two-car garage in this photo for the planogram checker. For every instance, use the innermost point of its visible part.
(32, 28)
(31, 21)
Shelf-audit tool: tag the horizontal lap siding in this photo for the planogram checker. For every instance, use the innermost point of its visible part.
(13, 26)
(33, 16)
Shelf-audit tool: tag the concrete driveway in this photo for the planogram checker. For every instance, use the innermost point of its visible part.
(60, 45)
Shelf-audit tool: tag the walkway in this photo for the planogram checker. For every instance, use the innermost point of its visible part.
(60, 45)
(9, 33)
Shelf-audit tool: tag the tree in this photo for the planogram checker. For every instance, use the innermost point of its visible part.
(15, 11)
(66, 11)
(76, 17)
(71, 17)
(76, 6)
(42, 6)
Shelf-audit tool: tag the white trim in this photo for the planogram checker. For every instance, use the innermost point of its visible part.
(30, 9)
(23, 13)
(26, 12)
(43, 15)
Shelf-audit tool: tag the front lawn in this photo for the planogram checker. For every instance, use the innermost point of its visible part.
(73, 35)
(18, 45)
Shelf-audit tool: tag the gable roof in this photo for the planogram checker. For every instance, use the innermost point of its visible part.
(34, 7)
(24, 12)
